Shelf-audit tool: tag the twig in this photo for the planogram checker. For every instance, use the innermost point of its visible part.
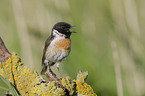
(53, 77)
(4, 53)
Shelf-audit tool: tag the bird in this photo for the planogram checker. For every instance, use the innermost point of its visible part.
(57, 46)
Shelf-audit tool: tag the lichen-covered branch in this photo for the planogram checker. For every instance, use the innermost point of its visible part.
(30, 83)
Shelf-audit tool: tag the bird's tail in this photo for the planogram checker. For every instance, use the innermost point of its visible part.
(44, 68)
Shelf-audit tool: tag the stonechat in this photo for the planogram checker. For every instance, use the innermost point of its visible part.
(57, 46)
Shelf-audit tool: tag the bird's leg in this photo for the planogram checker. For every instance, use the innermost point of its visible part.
(50, 75)
(58, 69)
(52, 72)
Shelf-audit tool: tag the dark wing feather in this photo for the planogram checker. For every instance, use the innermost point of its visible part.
(47, 43)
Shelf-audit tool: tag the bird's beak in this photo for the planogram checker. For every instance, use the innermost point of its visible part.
(73, 26)
(73, 31)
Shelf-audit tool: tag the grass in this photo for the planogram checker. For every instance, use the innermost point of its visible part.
(6, 85)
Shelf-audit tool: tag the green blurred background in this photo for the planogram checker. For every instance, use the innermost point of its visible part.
(110, 42)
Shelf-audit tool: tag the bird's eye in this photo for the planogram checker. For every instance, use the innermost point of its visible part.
(63, 27)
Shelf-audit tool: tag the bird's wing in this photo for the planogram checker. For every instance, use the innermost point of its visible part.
(47, 43)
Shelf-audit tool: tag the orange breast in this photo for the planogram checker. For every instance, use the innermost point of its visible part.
(63, 44)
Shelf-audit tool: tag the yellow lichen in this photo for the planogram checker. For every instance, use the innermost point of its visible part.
(70, 85)
(84, 89)
(28, 82)
(81, 76)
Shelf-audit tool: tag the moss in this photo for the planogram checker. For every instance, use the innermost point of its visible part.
(28, 82)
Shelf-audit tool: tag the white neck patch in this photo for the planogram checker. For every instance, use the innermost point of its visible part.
(56, 33)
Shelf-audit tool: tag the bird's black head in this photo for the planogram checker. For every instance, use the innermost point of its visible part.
(63, 28)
